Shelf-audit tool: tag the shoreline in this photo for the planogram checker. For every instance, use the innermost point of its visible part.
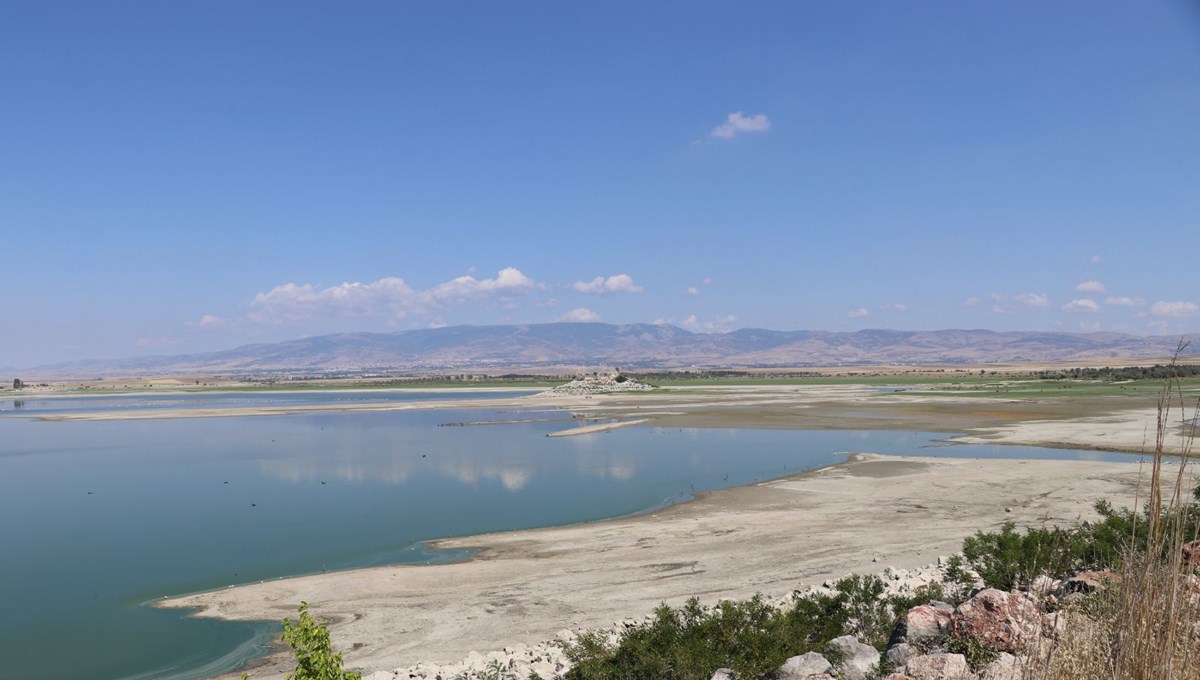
(524, 586)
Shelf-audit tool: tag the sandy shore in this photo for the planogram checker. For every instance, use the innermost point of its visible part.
(523, 587)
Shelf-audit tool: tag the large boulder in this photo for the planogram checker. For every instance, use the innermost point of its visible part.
(997, 620)
(899, 654)
(723, 674)
(857, 659)
(800, 667)
(925, 624)
(938, 667)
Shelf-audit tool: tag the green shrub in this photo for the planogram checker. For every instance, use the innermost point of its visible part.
(315, 658)
(1009, 559)
(750, 637)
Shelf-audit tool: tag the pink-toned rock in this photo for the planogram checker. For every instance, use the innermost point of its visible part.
(1191, 554)
(925, 623)
(997, 620)
(938, 667)
(897, 676)
(1088, 581)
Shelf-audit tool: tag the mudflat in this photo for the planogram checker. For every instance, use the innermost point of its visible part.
(772, 537)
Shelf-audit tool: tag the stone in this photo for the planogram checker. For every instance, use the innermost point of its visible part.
(997, 620)
(924, 624)
(723, 674)
(938, 667)
(1005, 667)
(800, 667)
(1043, 586)
(899, 654)
(1090, 581)
(897, 676)
(1191, 554)
(857, 659)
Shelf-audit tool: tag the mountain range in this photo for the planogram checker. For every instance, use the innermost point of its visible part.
(635, 346)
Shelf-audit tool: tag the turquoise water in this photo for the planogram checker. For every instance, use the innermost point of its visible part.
(98, 517)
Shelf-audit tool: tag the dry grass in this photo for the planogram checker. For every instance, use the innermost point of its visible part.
(1147, 626)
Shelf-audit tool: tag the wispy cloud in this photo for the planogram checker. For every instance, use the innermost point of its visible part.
(1177, 308)
(1091, 287)
(580, 314)
(737, 123)
(972, 301)
(1096, 259)
(1082, 305)
(720, 324)
(619, 283)
(1008, 304)
(859, 313)
(692, 290)
(894, 307)
(1125, 301)
(389, 296)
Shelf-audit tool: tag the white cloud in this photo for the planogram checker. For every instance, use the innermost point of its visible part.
(663, 321)
(1091, 287)
(210, 321)
(1125, 301)
(390, 296)
(707, 282)
(858, 313)
(1082, 305)
(737, 123)
(693, 291)
(1096, 259)
(895, 307)
(619, 283)
(1179, 308)
(1004, 304)
(580, 314)
(1090, 326)
(972, 301)
(1033, 299)
(717, 325)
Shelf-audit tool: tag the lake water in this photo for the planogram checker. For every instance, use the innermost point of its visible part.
(98, 517)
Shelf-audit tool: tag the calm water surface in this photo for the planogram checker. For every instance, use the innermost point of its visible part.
(98, 517)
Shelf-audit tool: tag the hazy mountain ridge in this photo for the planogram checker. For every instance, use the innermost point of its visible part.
(631, 345)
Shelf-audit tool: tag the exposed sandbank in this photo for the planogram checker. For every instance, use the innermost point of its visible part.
(771, 537)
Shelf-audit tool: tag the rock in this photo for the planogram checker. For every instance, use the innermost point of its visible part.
(924, 624)
(899, 654)
(897, 676)
(1090, 581)
(1005, 667)
(1191, 554)
(938, 667)
(1043, 586)
(997, 620)
(857, 659)
(723, 674)
(800, 667)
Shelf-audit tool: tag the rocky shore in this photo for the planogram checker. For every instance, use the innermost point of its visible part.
(1002, 631)
(597, 384)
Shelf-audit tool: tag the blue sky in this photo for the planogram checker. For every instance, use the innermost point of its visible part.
(186, 176)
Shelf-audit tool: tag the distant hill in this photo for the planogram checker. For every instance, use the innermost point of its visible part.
(515, 347)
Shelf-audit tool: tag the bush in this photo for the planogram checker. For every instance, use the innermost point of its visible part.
(750, 637)
(310, 643)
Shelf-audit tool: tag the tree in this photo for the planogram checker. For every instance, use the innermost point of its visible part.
(315, 658)
(18, 384)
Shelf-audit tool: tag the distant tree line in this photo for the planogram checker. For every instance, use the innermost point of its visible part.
(1156, 372)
